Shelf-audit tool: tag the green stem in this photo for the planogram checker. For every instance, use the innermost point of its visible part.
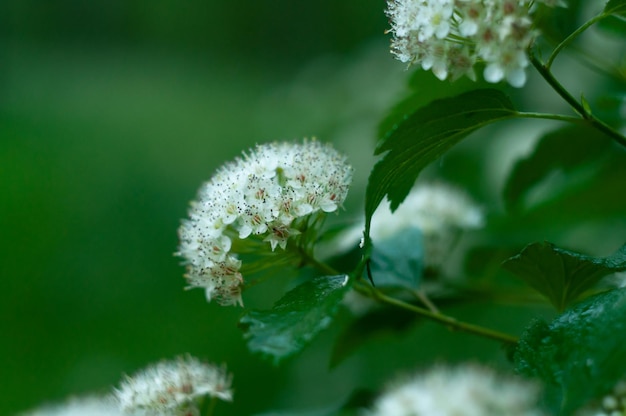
(423, 297)
(208, 406)
(571, 37)
(312, 261)
(549, 116)
(544, 71)
(376, 294)
(449, 321)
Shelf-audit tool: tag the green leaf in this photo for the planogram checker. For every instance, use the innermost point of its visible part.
(593, 194)
(296, 318)
(580, 355)
(562, 275)
(614, 25)
(556, 23)
(398, 261)
(424, 88)
(561, 151)
(617, 7)
(426, 135)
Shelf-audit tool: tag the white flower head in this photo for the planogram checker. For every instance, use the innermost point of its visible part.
(260, 194)
(434, 208)
(439, 210)
(449, 37)
(468, 390)
(91, 405)
(173, 387)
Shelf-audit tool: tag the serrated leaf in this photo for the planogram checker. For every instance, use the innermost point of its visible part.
(296, 318)
(562, 275)
(580, 355)
(426, 135)
(424, 88)
(616, 7)
(584, 145)
(597, 194)
(398, 261)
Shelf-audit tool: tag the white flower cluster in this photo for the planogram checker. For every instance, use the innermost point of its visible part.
(439, 210)
(172, 387)
(468, 390)
(86, 406)
(260, 194)
(613, 404)
(434, 208)
(450, 36)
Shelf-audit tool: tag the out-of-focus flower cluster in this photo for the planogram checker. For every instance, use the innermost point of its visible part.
(172, 387)
(439, 210)
(261, 194)
(80, 406)
(612, 404)
(169, 388)
(468, 390)
(450, 36)
(434, 208)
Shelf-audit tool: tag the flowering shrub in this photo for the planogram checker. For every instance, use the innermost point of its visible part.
(266, 210)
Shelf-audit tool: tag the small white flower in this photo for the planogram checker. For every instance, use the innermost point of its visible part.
(468, 390)
(173, 387)
(260, 194)
(509, 65)
(91, 406)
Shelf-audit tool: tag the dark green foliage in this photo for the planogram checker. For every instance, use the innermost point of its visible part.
(424, 88)
(617, 7)
(424, 136)
(296, 318)
(398, 261)
(561, 275)
(376, 323)
(563, 151)
(580, 355)
(557, 23)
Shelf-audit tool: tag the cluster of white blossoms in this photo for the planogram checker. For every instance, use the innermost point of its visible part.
(613, 404)
(433, 208)
(450, 36)
(260, 194)
(440, 211)
(84, 406)
(173, 388)
(468, 390)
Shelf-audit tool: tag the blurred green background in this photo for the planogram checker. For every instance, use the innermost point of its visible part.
(112, 113)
